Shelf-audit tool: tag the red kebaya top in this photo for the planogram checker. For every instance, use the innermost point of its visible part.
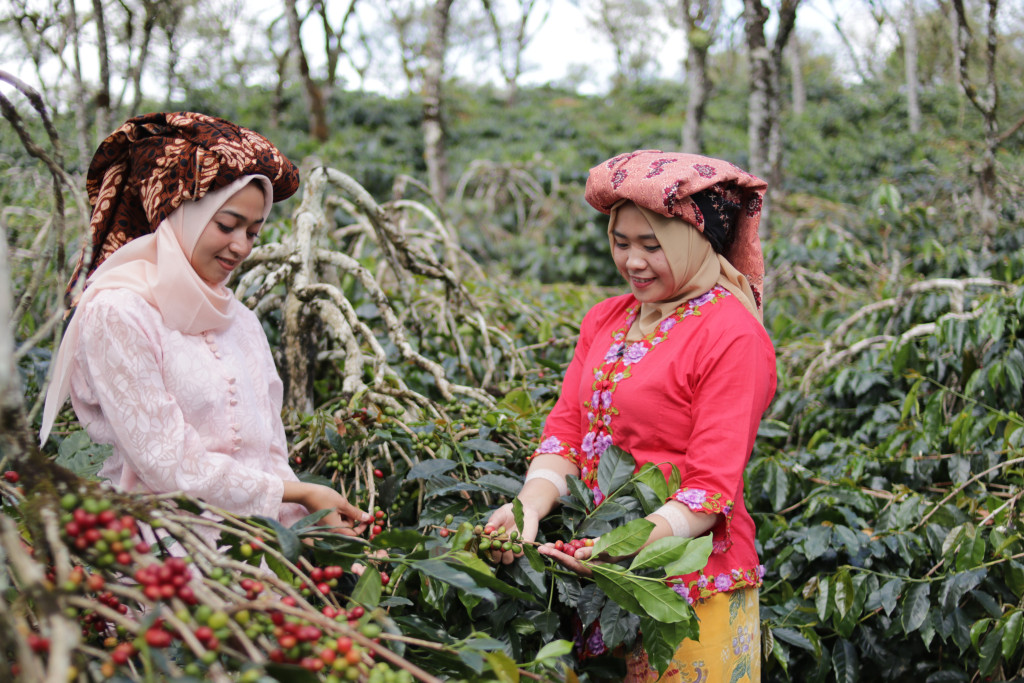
(691, 394)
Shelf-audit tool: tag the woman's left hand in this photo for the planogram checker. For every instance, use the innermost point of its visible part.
(569, 561)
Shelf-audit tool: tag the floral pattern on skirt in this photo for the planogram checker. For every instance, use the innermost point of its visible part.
(728, 649)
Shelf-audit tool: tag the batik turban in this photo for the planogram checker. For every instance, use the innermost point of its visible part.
(699, 190)
(153, 163)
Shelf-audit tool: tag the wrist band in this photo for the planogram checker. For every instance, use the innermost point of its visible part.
(676, 519)
(550, 475)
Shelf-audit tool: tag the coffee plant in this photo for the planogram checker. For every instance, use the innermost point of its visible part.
(886, 484)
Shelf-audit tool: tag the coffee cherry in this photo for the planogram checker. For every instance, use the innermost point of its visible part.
(11, 477)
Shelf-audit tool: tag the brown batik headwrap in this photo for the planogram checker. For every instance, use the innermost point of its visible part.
(694, 189)
(153, 163)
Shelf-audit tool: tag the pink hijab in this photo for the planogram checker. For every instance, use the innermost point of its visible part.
(158, 268)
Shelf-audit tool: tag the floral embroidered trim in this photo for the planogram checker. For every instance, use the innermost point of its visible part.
(617, 366)
(700, 500)
(552, 445)
(705, 586)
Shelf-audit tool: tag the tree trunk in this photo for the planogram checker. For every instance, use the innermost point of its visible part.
(433, 101)
(910, 67)
(697, 99)
(700, 23)
(102, 101)
(796, 69)
(987, 104)
(148, 23)
(755, 14)
(313, 95)
(82, 105)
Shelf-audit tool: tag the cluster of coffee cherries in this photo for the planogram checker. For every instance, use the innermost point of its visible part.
(302, 643)
(325, 579)
(379, 520)
(96, 530)
(496, 539)
(166, 580)
(570, 547)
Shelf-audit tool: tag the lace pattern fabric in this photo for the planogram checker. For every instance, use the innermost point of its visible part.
(193, 413)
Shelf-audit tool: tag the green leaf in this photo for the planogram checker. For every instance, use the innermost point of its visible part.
(844, 661)
(458, 578)
(821, 599)
(978, 630)
(915, 607)
(534, 558)
(430, 468)
(615, 624)
(609, 581)
(579, 492)
(508, 486)
(625, 540)
(517, 513)
(652, 476)
(694, 558)
(889, 594)
(309, 521)
(662, 640)
(80, 455)
(1013, 629)
(503, 666)
(483, 574)
(406, 539)
(816, 541)
(662, 552)
(614, 470)
(286, 538)
(368, 589)
(556, 648)
(655, 598)
(843, 593)
(483, 446)
(990, 651)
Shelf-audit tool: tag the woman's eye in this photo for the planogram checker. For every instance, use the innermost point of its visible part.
(225, 228)
(253, 235)
(621, 245)
(652, 249)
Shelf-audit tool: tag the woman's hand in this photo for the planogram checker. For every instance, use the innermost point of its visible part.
(569, 561)
(343, 517)
(503, 517)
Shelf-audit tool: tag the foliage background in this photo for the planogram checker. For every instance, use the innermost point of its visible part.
(887, 481)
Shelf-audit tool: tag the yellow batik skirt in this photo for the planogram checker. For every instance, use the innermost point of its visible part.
(729, 649)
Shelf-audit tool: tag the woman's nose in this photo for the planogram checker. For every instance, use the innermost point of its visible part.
(240, 243)
(635, 260)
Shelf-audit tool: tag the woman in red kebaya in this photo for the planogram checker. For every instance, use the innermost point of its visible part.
(678, 373)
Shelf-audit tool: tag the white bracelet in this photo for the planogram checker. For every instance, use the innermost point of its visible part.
(550, 475)
(676, 519)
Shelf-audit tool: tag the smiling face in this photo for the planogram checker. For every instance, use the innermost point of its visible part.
(230, 235)
(640, 258)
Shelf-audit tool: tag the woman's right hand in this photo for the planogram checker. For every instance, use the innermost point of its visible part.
(343, 517)
(503, 517)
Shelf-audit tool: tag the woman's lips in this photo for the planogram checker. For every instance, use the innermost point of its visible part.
(641, 282)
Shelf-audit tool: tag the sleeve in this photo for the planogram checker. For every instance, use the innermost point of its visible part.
(563, 429)
(122, 365)
(734, 384)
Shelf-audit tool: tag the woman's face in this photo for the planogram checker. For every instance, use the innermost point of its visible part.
(230, 235)
(640, 258)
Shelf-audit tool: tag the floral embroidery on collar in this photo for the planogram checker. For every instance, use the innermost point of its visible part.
(617, 366)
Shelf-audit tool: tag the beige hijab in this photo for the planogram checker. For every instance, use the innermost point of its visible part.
(158, 268)
(695, 267)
